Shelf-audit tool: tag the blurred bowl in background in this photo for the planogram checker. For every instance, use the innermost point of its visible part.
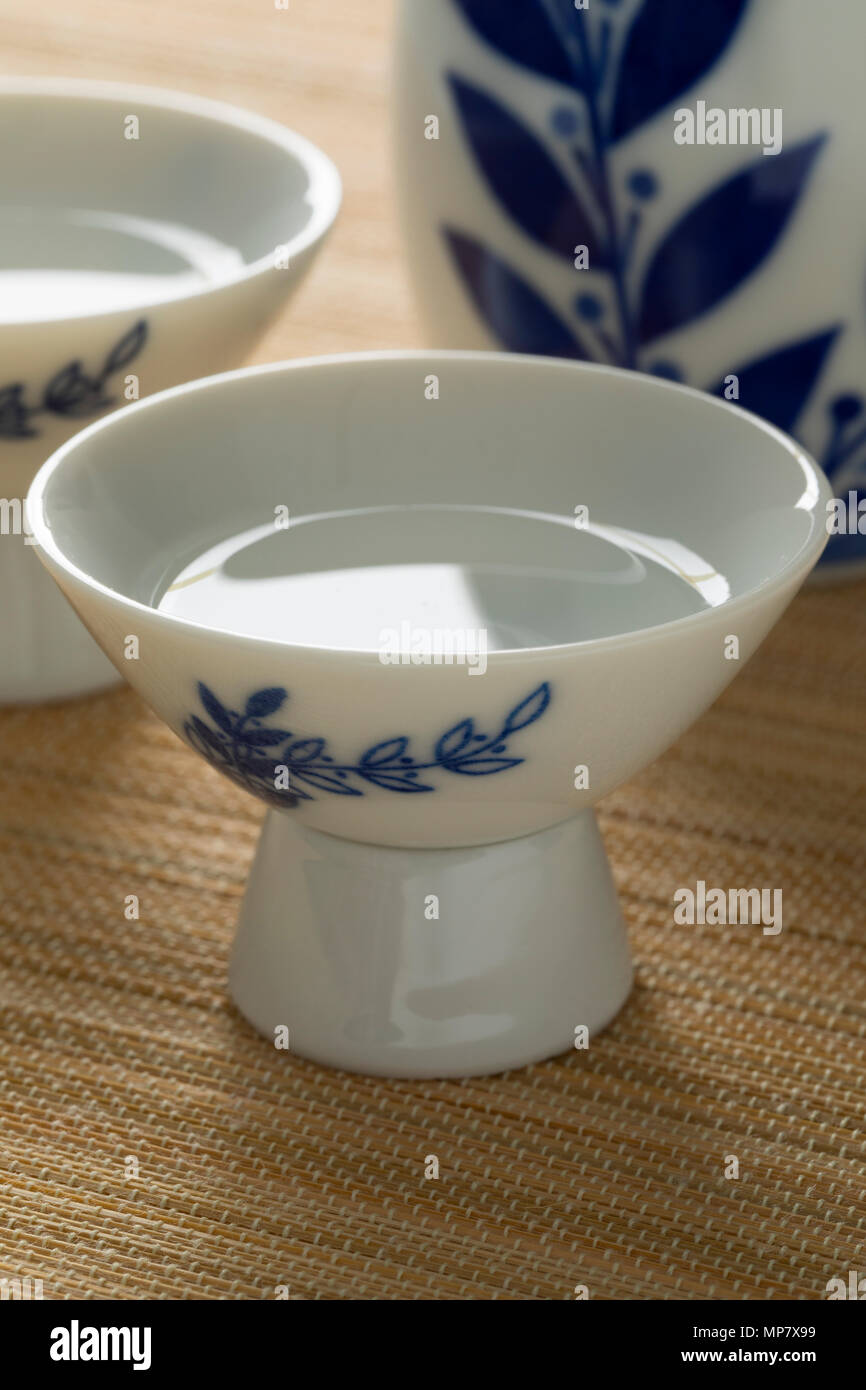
(146, 237)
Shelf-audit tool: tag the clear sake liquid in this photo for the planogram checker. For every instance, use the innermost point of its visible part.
(343, 579)
(59, 262)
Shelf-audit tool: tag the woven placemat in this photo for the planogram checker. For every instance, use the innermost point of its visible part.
(154, 1147)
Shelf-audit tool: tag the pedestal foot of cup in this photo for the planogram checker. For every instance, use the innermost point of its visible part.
(430, 963)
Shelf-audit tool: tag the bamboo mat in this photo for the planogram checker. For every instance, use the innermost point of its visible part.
(151, 1146)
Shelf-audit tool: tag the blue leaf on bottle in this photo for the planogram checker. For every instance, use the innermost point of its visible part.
(669, 46)
(720, 241)
(777, 386)
(516, 315)
(523, 177)
(528, 32)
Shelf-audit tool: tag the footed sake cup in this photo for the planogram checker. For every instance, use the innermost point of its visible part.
(429, 608)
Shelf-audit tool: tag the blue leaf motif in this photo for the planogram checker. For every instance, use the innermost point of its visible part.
(123, 352)
(265, 702)
(14, 414)
(514, 312)
(722, 240)
(522, 31)
(260, 769)
(670, 45)
(393, 781)
(71, 392)
(218, 713)
(306, 750)
(482, 767)
(528, 710)
(263, 738)
(205, 739)
(387, 752)
(778, 385)
(523, 177)
(323, 781)
(240, 752)
(455, 740)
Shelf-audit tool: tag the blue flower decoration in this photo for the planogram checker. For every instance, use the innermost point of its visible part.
(261, 757)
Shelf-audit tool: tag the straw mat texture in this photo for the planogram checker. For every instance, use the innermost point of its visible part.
(256, 1170)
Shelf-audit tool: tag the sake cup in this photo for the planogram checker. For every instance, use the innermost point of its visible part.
(429, 608)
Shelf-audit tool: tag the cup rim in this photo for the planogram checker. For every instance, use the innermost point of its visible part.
(324, 186)
(793, 571)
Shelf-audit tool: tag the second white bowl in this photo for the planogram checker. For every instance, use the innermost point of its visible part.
(146, 237)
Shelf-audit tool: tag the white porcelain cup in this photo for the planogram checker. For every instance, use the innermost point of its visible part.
(430, 895)
(551, 203)
(146, 237)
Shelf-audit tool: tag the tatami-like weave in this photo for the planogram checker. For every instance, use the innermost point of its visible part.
(254, 1170)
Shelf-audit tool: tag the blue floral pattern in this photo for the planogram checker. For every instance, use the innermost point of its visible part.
(262, 757)
(622, 65)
